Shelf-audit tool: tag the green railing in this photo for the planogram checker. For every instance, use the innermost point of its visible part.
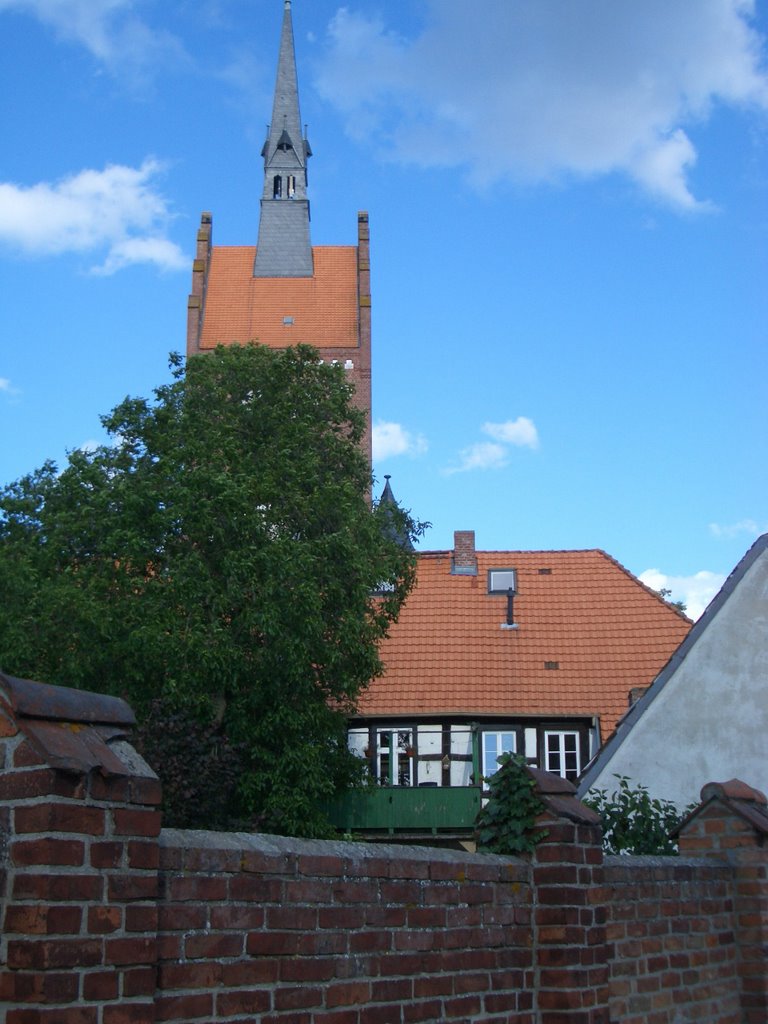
(393, 809)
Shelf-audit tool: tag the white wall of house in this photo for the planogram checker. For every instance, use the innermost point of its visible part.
(709, 721)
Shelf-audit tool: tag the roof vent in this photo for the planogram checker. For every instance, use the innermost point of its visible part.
(552, 664)
(464, 557)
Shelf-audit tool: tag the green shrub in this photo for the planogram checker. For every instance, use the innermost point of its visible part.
(633, 821)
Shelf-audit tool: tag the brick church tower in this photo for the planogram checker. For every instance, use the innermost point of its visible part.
(285, 291)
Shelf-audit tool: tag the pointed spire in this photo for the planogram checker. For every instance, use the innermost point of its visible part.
(390, 511)
(284, 248)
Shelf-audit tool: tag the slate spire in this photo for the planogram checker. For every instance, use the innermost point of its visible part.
(390, 512)
(284, 248)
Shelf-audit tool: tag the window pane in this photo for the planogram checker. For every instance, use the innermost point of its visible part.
(494, 745)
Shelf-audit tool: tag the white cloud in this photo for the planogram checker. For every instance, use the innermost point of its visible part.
(109, 30)
(536, 89)
(728, 532)
(391, 439)
(695, 591)
(520, 432)
(483, 455)
(495, 454)
(6, 388)
(117, 211)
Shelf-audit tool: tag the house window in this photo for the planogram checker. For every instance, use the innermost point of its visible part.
(561, 754)
(394, 757)
(494, 745)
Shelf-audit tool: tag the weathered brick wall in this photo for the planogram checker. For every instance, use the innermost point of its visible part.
(258, 927)
(108, 920)
(79, 888)
(732, 826)
(671, 946)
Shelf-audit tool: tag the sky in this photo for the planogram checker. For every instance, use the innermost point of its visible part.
(569, 236)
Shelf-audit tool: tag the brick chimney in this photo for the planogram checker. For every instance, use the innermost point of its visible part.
(464, 557)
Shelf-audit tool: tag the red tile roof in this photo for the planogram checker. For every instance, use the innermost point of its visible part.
(241, 308)
(448, 654)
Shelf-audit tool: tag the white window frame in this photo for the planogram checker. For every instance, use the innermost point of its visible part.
(400, 742)
(487, 769)
(563, 770)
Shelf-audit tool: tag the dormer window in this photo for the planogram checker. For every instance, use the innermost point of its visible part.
(501, 581)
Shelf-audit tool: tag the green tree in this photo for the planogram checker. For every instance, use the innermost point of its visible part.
(219, 556)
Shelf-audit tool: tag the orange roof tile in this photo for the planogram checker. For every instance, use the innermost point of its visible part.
(448, 654)
(241, 308)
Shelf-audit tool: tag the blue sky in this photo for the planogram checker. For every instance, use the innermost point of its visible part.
(569, 224)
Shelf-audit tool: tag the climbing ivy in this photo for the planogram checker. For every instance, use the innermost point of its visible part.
(507, 823)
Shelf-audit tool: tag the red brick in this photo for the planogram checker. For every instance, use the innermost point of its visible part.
(25, 785)
(139, 918)
(42, 920)
(130, 1013)
(430, 1010)
(22, 987)
(143, 856)
(181, 916)
(132, 887)
(232, 916)
(308, 969)
(101, 986)
(300, 918)
(187, 1007)
(200, 947)
(59, 887)
(8, 727)
(190, 976)
(251, 888)
(106, 855)
(54, 953)
(136, 822)
(131, 951)
(250, 972)
(60, 817)
(297, 997)
(246, 1001)
(60, 1015)
(199, 889)
(48, 851)
(104, 920)
(25, 756)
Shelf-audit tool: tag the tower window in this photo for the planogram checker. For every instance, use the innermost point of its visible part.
(291, 183)
(277, 187)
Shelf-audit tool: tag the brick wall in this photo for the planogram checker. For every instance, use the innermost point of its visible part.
(344, 933)
(109, 920)
(671, 948)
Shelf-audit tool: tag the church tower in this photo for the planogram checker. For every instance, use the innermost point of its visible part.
(285, 291)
